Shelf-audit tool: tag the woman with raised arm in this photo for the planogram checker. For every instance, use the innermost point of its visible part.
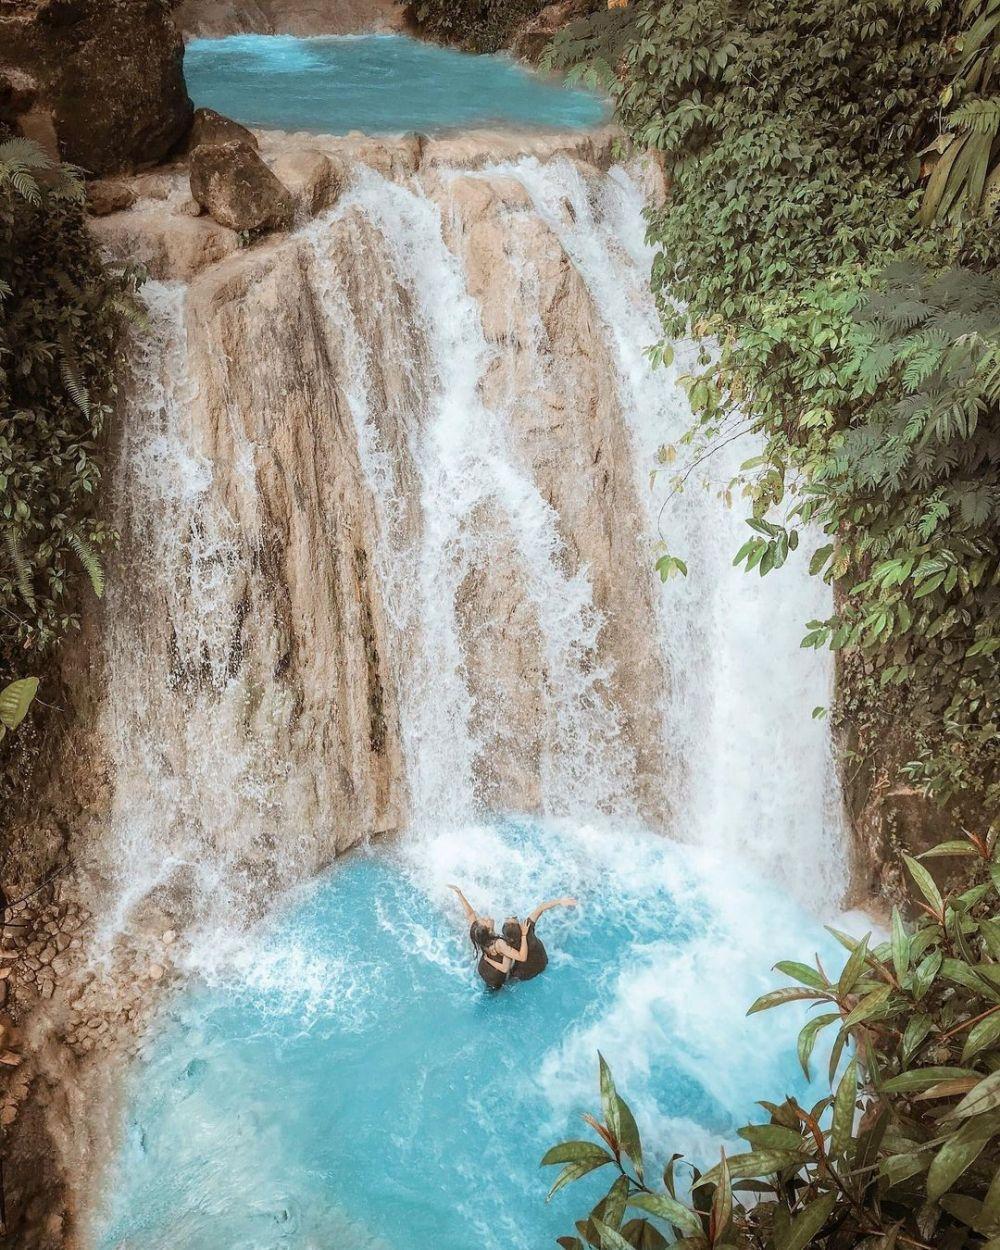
(537, 957)
(496, 957)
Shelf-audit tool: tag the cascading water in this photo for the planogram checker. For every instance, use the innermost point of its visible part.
(479, 418)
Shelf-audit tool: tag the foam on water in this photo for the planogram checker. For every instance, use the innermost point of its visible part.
(358, 1077)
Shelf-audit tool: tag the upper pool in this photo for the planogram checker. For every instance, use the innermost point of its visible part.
(378, 84)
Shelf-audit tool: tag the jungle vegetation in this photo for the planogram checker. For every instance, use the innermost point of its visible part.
(61, 313)
(829, 235)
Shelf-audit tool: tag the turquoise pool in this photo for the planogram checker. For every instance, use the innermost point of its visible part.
(379, 84)
(341, 1079)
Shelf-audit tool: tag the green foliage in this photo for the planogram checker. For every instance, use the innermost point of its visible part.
(60, 316)
(791, 135)
(903, 1151)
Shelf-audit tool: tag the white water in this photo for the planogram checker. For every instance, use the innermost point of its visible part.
(199, 811)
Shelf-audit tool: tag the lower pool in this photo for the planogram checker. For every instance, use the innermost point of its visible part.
(339, 1078)
(379, 84)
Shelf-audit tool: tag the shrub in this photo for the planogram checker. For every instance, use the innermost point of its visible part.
(904, 1150)
(60, 317)
(798, 139)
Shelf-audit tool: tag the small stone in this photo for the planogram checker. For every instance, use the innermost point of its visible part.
(74, 944)
(188, 208)
(62, 941)
(61, 965)
(47, 989)
(48, 954)
(8, 1115)
(155, 972)
(170, 937)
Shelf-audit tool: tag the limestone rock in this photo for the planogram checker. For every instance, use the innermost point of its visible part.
(313, 179)
(103, 78)
(212, 127)
(232, 183)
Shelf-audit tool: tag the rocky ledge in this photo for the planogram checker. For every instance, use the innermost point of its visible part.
(235, 186)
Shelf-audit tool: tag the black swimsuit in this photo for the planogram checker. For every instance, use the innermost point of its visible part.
(536, 960)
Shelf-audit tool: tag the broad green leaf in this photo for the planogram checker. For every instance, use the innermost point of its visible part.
(756, 1163)
(573, 1172)
(956, 847)
(990, 1215)
(843, 1111)
(611, 1208)
(984, 1097)
(575, 1152)
(925, 884)
(853, 968)
(776, 997)
(900, 945)
(644, 1236)
(771, 1137)
(808, 1035)
(15, 700)
(982, 1036)
(609, 1099)
(803, 973)
(917, 1028)
(611, 1238)
(958, 1153)
(629, 1136)
(666, 1208)
(899, 1168)
(805, 1226)
(868, 1006)
(722, 1202)
(922, 1078)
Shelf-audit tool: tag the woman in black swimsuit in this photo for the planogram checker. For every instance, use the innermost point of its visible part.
(537, 958)
(499, 959)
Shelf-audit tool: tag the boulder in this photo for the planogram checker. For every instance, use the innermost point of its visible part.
(312, 178)
(212, 127)
(236, 188)
(109, 195)
(103, 77)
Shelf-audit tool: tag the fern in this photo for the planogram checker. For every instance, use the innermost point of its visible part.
(74, 383)
(23, 575)
(91, 562)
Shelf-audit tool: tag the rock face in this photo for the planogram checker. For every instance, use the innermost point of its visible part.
(101, 79)
(211, 18)
(233, 184)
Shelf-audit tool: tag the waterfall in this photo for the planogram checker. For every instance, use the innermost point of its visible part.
(388, 544)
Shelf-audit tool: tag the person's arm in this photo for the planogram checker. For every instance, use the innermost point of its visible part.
(519, 955)
(470, 913)
(504, 966)
(555, 902)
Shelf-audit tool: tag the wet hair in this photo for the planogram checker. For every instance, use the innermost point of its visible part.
(482, 936)
(512, 932)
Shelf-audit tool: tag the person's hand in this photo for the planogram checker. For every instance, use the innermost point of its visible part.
(569, 902)
(455, 888)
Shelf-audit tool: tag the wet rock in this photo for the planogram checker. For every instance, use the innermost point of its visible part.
(188, 208)
(108, 195)
(214, 128)
(232, 183)
(312, 178)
